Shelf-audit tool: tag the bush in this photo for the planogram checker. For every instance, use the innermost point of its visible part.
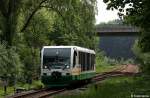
(102, 60)
(10, 64)
(143, 58)
(37, 85)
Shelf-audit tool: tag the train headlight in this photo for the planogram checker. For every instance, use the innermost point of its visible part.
(45, 67)
(67, 66)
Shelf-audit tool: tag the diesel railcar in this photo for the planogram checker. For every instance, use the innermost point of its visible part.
(64, 65)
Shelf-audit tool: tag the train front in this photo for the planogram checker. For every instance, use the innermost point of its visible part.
(55, 66)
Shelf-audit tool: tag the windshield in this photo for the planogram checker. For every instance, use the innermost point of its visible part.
(56, 58)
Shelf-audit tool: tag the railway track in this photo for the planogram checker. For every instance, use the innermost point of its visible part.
(46, 93)
(106, 75)
(43, 93)
(114, 73)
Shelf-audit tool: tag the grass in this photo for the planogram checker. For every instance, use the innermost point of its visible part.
(10, 89)
(101, 69)
(103, 64)
(121, 87)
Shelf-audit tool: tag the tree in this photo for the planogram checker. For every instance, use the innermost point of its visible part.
(10, 65)
(17, 14)
(76, 30)
(8, 15)
(37, 35)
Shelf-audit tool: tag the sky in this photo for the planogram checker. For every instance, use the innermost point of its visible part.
(103, 14)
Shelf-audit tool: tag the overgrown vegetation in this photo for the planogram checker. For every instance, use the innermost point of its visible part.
(122, 87)
(22, 86)
(105, 64)
(142, 58)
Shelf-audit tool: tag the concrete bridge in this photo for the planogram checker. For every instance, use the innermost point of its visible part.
(117, 40)
(116, 30)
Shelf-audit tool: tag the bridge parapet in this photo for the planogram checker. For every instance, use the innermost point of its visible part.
(114, 30)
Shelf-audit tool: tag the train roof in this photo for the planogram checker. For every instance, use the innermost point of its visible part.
(76, 47)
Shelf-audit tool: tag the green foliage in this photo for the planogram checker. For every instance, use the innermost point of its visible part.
(10, 90)
(31, 63)
(103, 60)
(32, 40)
(142, 58)
(121, 87)
(10, 64)
(103, 63)
(37, 85)
(74, 13)
(39, 29)
(73, 28)
(9, 12)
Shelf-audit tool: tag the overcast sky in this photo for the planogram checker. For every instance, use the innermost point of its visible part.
(103, 14)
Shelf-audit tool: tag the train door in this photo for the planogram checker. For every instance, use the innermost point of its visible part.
(76, 67)
(74, 58)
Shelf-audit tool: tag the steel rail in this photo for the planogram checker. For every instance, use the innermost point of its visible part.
(37, 94)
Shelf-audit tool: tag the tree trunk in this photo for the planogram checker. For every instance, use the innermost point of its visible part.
(10, 19)
(8, 35)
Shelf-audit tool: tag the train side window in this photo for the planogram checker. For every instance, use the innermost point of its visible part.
(88, 61)
(85, 62)
(81, 61)
(83, 55)
(74, 58)
(79, 58)
(92, 61)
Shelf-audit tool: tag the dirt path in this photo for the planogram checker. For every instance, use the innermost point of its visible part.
(131, 68)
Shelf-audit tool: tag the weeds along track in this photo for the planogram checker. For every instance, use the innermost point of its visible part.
(43, 93)
(47, 93)
(116, 72)
(106, 75)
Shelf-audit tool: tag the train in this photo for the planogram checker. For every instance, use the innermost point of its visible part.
(65, 65)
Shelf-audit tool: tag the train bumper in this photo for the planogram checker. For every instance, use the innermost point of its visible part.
(51, 81)
(61, 81)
